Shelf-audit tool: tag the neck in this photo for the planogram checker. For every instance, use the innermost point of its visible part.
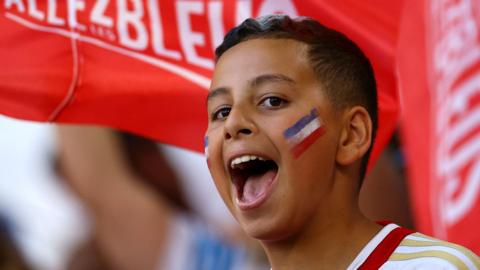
(331, 240)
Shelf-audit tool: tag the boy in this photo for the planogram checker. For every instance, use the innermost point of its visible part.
(292, 118)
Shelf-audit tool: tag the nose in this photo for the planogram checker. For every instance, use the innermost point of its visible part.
(238, 124)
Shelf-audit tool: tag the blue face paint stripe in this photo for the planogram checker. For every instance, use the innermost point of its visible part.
(291, 131)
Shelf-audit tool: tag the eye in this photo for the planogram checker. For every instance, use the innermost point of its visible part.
(272, 102)
(221, 113)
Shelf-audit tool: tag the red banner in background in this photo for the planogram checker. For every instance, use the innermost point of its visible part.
(439, 76)
(144, 66)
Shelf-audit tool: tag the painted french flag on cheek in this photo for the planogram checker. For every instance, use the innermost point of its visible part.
(206, 146)
(304, 133)
(206, 151)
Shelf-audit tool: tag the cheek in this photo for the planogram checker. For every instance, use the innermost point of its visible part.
(220, 183)
(317, 165)
(304, 133)
(213, 155)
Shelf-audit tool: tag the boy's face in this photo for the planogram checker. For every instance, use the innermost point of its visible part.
(260, 89)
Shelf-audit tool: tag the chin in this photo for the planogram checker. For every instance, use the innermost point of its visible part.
(268, 229)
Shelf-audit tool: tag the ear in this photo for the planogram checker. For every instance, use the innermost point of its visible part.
(355, 137)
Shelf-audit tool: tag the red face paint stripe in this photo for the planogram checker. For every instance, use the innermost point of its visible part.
(301, 147)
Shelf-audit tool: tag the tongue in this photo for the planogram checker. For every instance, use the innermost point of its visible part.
(256, 185)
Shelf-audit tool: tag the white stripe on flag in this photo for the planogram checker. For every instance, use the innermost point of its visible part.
(305, 132)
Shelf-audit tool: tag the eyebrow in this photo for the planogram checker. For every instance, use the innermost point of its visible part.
(255, 82)
(266, 78)
(216, 92)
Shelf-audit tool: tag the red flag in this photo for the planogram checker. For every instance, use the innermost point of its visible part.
(439, 75)
(144, 66)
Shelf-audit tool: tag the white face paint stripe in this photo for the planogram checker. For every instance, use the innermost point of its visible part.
(305, 132)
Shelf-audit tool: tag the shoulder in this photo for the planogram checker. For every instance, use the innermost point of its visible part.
(418, 251)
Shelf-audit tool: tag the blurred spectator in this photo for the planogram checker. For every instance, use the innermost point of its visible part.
(139, 213)
(384, 194)
(10, 257)
(45, 221)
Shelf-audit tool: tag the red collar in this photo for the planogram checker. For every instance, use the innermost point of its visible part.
(385, 248)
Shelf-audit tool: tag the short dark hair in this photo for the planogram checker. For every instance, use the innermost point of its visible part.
(340, 66)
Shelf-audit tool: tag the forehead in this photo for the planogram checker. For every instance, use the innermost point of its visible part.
(252, 58)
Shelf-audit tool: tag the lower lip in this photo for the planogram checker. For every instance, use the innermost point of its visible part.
(244, 206)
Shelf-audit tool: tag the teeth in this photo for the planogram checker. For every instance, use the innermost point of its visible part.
(242, 159)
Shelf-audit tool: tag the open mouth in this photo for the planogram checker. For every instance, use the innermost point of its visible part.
(252, 177)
